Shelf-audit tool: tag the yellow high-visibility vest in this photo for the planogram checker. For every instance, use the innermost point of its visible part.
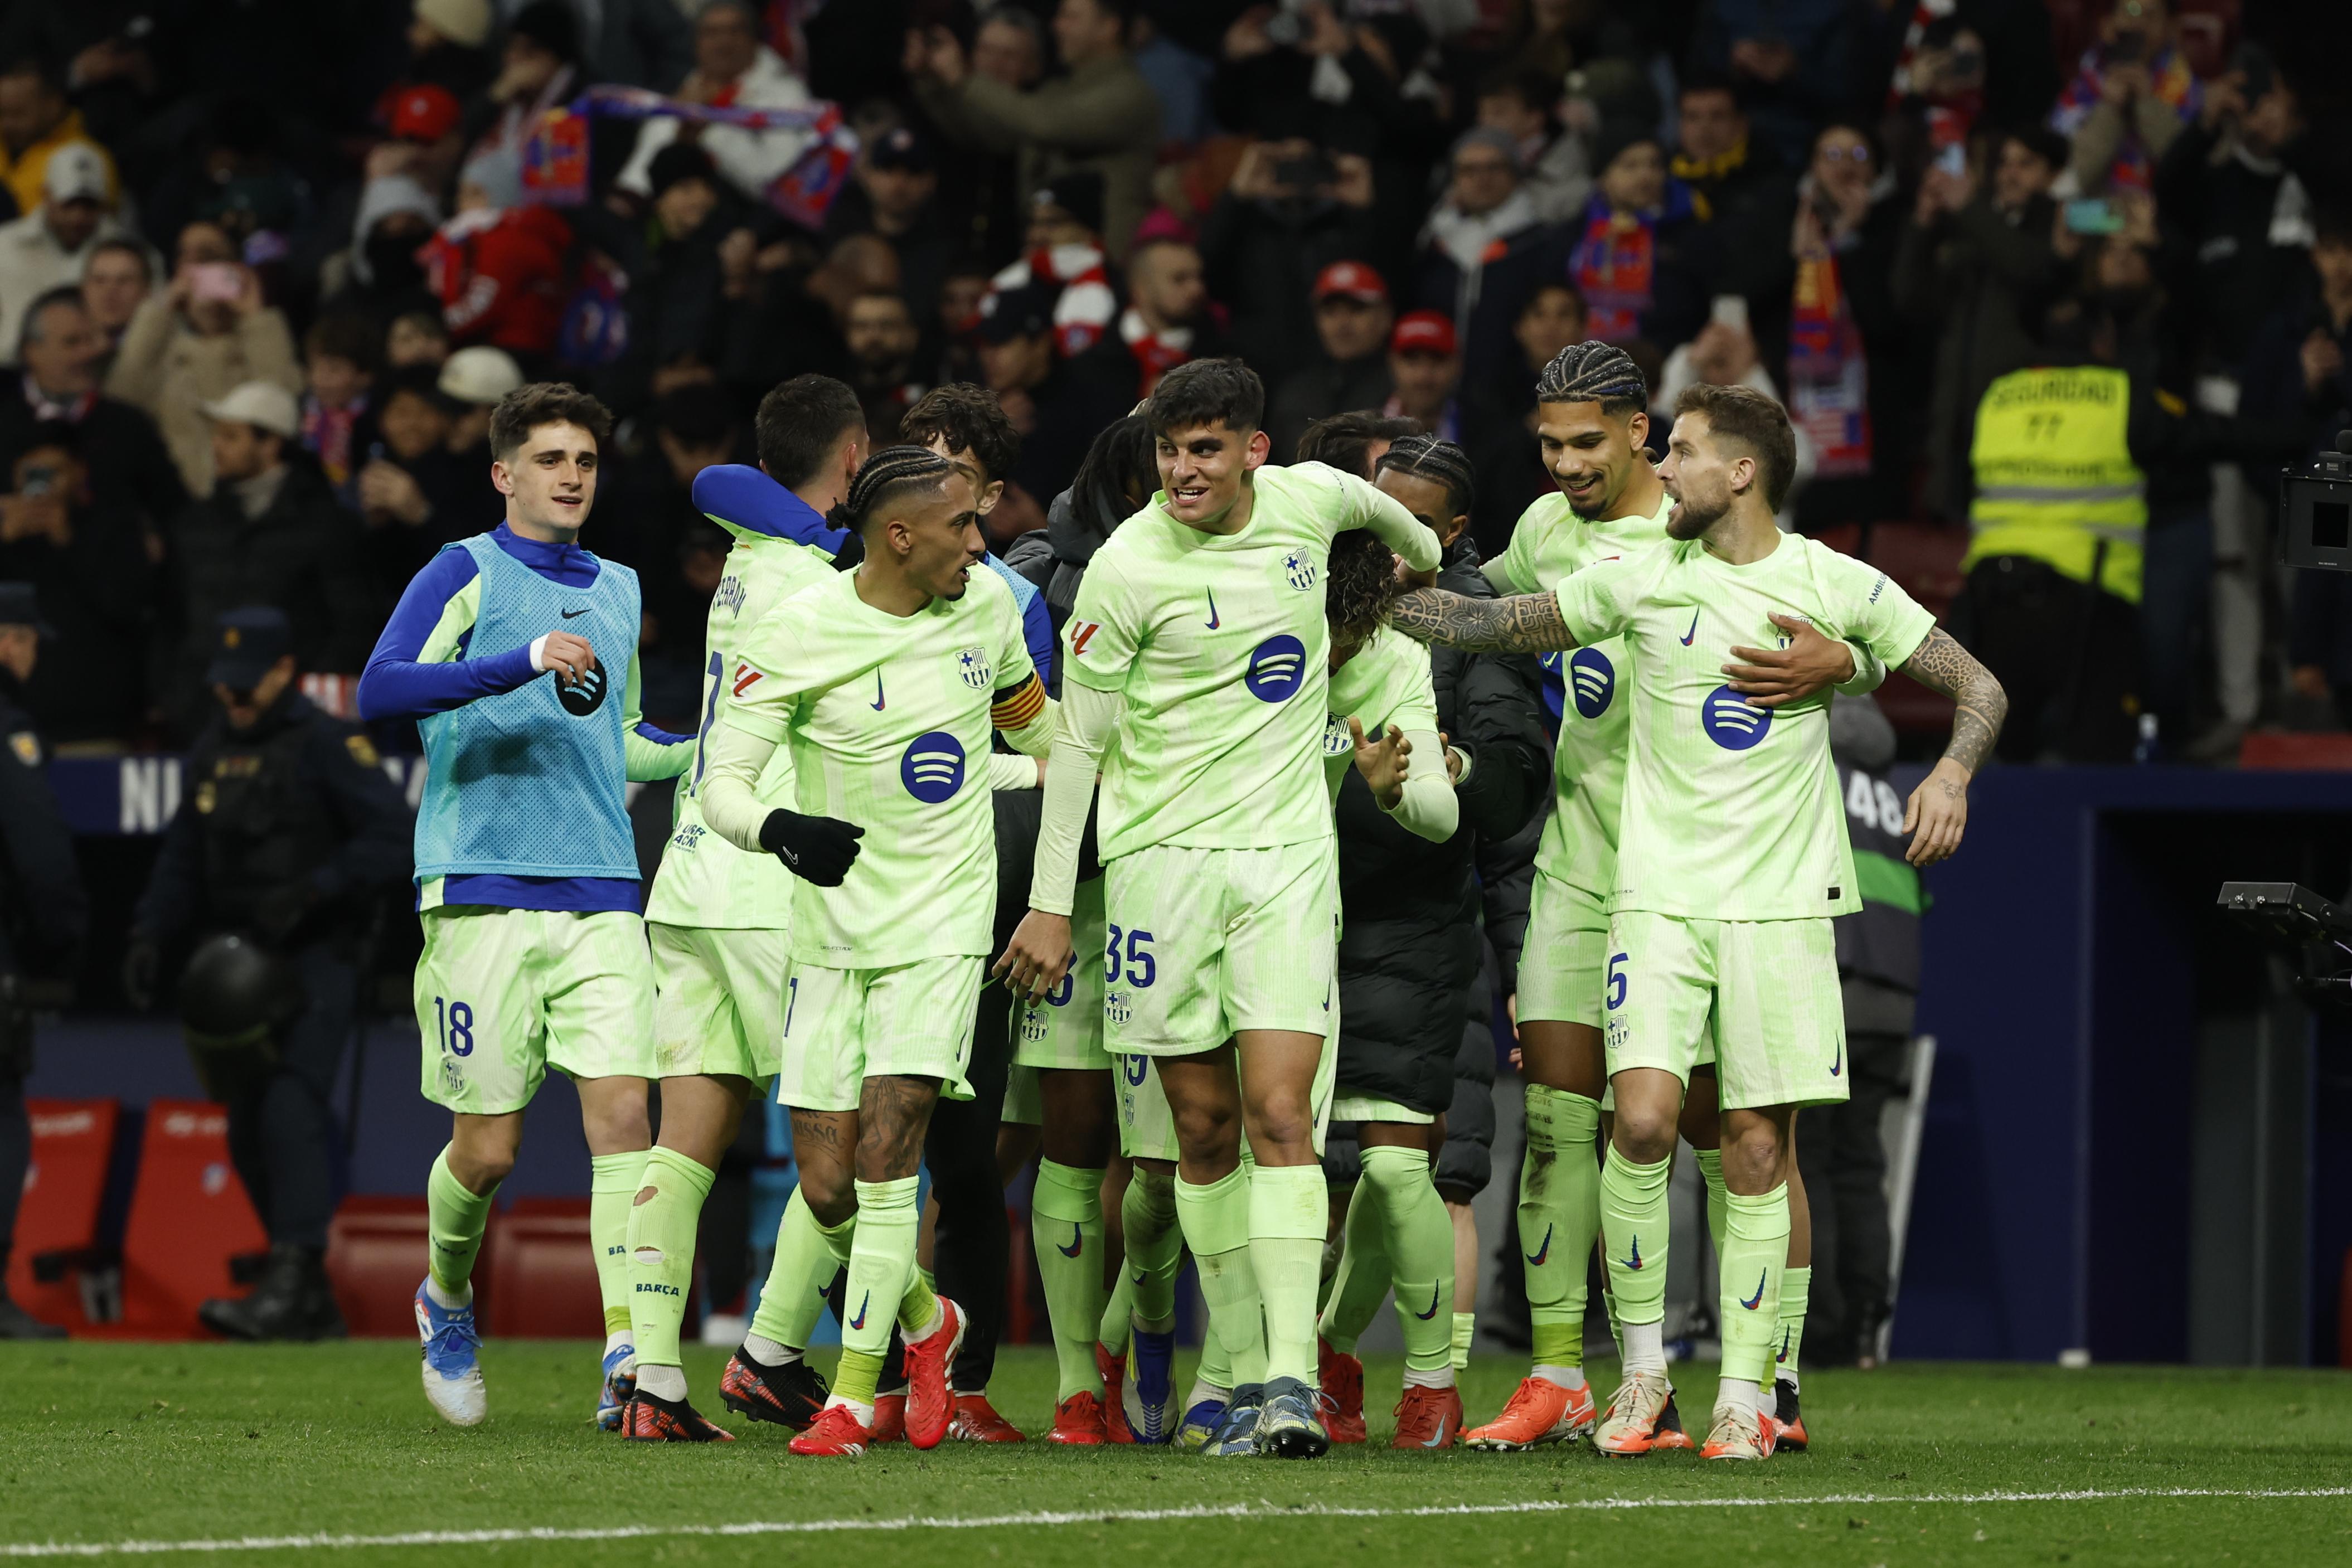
(2055, 479)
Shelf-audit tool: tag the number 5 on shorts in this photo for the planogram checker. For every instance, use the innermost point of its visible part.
(1616, 982)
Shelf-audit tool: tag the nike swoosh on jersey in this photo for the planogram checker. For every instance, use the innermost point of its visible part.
(878, 698)
(1212, 621)
(1693, 632)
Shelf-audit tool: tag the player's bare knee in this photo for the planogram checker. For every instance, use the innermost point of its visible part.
(831, 1196)
(1644, 1135)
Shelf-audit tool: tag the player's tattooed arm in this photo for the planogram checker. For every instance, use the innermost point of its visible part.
(1937, 813)
(1517, 623)
(1941, 665)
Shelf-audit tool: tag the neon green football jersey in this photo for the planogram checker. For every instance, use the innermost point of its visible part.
(1732, 813)
(1218, 645)
(1387, 682)
(889, 721)
(705, 881)
(1580, 839)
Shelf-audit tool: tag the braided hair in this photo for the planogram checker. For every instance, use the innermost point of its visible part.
(1598, 373)
(889, 473)
(1439, 462)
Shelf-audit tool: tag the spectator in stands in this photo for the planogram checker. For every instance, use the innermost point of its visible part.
(268, 532)
(1791, 60)
(1826, 316)
(1100, 116)
(1483, 251)
(1064, 251)
(412, 492)
(674, 304)
(448, 45)
(2132, 94)
(1353, 321)
(129, 469)
(636, 43)
(2299, 377)
(1643, 263)
(115, 281)
(540, 69)
(1739, 181)
(1725, 354)
(473, 380)
(209, 331)
(383, 273)
(428, 139)
(653, 521)
(1425, 370)
(88, 563)
(894, 194)
(1057, 415)
(882, 338)
(1522, 102)
(35, 121)
(339, 364)
(1180, 79)
(51, 244)
(1167, 322)
(415, 337)
(952, 333)
(497, 267)
(1268, 237)
(1976, 267)
(732, 69)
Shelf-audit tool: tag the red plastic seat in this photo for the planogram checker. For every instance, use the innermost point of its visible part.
(376, 1252)
(541, 1276)
(58, 1216)
(2296, 752)
(190, 1218)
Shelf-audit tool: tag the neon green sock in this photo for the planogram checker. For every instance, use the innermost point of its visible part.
(1796, 1295)
(881, 1262)
(1710, 1170)
(920, 1305)
(1465, 1329)
(1066, 1229)
(804, 1267)
(1216, 1368)
(1755, 1255)
(1215, 1220)
(1559, 1214)
(661, 1251)
(1117, 1325)
(612, 1182)
(1633, 1213)
(1421, 1253)
(1361, 1282)
(854, 1378)
(1155, 1248)
(456, 1218)
(1288, 1209)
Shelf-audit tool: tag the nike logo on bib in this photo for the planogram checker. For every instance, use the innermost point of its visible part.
(570, 613)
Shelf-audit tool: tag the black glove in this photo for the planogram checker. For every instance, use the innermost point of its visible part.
(814, 849)
(143, 962)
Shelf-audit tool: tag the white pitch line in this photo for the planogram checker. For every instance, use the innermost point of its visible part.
(1120, 1516)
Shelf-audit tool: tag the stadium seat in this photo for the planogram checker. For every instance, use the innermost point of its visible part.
(2295, 751)
(58, 1217)
(541, 1278)
(375, 1255)
(190, 1222)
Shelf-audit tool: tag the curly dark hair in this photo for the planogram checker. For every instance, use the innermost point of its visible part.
(1359, 586)
(527, 408)
(968, 418)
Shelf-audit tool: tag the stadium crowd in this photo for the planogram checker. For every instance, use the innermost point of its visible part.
(271, 265)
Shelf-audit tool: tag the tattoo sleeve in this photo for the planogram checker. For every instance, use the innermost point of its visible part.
(1942, 666)
(1520, 623)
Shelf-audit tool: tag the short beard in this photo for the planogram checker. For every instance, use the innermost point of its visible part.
(1686, 522)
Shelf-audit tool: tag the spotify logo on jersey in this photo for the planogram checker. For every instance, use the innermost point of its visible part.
(1729, 722)
(1594, 681)
(586, 695)
(932, 769)
(1275, 667)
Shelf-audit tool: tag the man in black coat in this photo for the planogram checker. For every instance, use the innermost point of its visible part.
(269, 534)
(287, 838)
(43, 915)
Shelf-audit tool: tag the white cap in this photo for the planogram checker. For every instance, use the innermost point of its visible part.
(265, 406)
(480, 374)
(76, 172)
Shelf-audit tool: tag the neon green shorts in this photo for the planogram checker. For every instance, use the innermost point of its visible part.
(1065, 1030)
(844, 1025)
(1567, 947)
(1200, 944)
(1147, 1129)
(719, 1001)
(502, 994)
(1761, 995)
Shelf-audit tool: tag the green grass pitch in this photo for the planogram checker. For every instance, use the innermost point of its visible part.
(157, 1445)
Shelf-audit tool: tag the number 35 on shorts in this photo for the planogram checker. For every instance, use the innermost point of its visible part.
(1135, 953)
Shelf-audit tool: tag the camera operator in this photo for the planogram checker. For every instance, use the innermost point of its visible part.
(286, 834)
(37, 873)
